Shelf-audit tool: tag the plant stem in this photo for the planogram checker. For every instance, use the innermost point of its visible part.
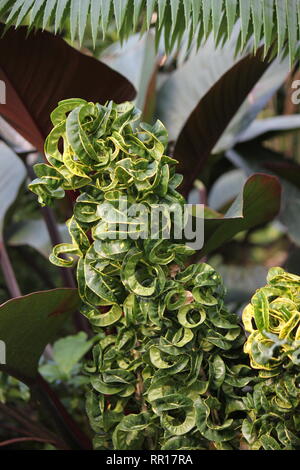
(71, 437)
(48, 216)
(26, 439)
(11, 281)
(8, 272)
(139, 390)
(66, 274)
(42, 273)
(55, 238)
(69, 429)
(68, 280)
(30, 428)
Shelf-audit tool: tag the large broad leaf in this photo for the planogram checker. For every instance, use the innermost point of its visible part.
(213, 114)
(263, 129)
(189, 83)
(258, 202)
(226, 188)
(12, 173)
(35, 234)
(28, 324)
(39, 70)
(136, 60)
(271, 22)
(194, 77)
(255, 102)
(13, 139)
(253, 157)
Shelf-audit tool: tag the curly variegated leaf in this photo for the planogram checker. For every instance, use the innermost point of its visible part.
(169, 362)
(273, 321)
(273, 413)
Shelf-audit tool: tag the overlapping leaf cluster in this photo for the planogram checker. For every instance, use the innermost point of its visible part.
(167, 373)
(176, 358)
(273, 321)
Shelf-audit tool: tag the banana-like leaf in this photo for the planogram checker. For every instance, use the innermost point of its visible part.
(28, 324)
(39, 70)
(35, 234)
(198, 74)
(192, 79)
(275, 22)
(212, 115)
(136, 60)
(258, 202)
(262, 129)
(254, 157)
(12, 174)
(12, 138)
(226, 188)
(255, 102)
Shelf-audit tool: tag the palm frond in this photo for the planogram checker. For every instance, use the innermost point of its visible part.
(274, 23)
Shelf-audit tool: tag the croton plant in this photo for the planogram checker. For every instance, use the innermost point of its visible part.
(173, 368)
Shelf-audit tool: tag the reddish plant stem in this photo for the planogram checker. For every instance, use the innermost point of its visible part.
(45, 395)
(68, 280)
(30, 428)
(69, 429)
(66, 274)
(25, 433)
(42, 273)
(8, 272)
(26, 439)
